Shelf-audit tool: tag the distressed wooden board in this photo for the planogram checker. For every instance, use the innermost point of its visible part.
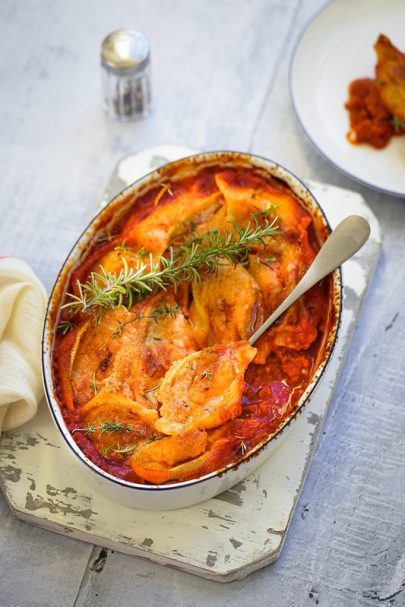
(216, 540)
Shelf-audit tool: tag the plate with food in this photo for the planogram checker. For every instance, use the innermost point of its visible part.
(347, 85)
(148, 370)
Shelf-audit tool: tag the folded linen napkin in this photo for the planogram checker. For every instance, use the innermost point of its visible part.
(22, 309)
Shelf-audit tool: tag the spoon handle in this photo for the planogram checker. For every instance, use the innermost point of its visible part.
(345, 240)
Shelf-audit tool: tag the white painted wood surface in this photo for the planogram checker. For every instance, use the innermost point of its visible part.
(220, 74)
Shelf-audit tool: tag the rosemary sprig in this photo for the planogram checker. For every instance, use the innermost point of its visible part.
(106, 237)
(65, 326)
(123, 248)
(118, 331)
(265, 213)
(122, 450)
(142, 252)
(105, 450)
(106, 427)
(187, 234)
(166, 311)
(117, 449)
(162, 313)
(106, 290)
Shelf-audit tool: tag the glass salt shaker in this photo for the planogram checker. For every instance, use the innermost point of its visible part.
(125, 61)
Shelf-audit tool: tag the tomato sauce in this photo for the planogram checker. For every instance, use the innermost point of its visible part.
(370, 121)
(376, 106)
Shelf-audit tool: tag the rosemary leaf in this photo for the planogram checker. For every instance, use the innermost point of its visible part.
(126, 449)
(123, 247)
(65, 326)
(108, 427)
(398, 123)
(93, 384)
(242, 448)
(152, 389)
(105, 450)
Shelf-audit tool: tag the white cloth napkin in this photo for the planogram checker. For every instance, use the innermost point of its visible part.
(22, 309)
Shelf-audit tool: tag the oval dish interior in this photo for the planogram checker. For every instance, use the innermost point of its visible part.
(165, 391)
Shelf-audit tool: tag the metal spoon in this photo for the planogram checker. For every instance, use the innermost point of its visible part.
(345, 240)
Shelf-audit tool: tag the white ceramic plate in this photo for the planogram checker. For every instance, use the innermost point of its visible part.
(336, 48)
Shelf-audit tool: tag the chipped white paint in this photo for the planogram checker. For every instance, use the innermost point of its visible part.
(133, 167)
(359, 279)
(216, 539)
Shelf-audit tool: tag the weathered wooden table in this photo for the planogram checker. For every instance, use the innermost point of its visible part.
(219, 81)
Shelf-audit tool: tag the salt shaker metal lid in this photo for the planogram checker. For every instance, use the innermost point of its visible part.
(125, 59)
(125, 51)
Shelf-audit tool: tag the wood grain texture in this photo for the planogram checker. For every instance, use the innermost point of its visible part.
(36, 564)
(220, 81)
